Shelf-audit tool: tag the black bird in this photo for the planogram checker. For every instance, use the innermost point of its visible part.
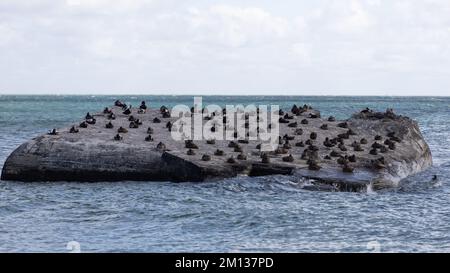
(219, 153)
(127, 111)
(190, 144)
(73, 130)
(149, 138)
(231, 160)
(53, 132)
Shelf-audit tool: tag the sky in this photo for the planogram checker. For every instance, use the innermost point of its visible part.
(254, 47)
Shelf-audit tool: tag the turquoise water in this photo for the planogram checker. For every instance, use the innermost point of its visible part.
(241, 214)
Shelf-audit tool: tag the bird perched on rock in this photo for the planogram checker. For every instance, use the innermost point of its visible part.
(231, 160)
(333, 153)
(169, 125)
(352, 158)
(232, 144)
(111, 116)
(109, 125)
(281, 150)
(314, 115)
(119, 103)
(238, 149)
(287, 145)
(190, 144)
(288, 158)
(287, 116)
(343, 136)
(313, 166)
(265, 158)
(161, 146)
(283, 120)
(73, 130)
(343, 125)
(298, 131)
(122, 130)
(91, 121)
(379, 163)
(376, 145)
(53, 132)
(300, 144)
(358, 148)
(295, 109)
(127, 111)
(342, 160)
(133, 125)
(342, 147)
(241, 156)
(328, 143)
(347, 168)
(143, 106)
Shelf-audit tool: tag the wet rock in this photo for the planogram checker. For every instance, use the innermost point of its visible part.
(91, 152)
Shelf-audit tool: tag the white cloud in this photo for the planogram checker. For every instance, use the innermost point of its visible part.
(231, 26)
(357, 20)
(7, 35)
(256, 45)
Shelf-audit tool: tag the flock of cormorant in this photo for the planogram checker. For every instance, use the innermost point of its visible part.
(340, 148)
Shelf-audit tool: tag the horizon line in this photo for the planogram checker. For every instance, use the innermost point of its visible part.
(212, 95)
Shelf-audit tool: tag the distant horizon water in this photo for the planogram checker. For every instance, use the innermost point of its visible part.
(239, 94)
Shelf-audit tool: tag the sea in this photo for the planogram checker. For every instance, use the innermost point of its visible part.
(243, 214)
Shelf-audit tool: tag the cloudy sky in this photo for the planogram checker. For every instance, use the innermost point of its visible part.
(341, 47)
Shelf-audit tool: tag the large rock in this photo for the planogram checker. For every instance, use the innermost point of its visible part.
(93, 155)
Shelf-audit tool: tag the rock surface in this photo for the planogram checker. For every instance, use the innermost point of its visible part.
(92, 154)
